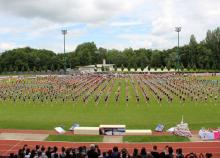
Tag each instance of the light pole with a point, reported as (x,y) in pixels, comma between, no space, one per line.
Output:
(64,32)
(178,29)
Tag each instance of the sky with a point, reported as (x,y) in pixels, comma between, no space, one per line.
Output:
(110,24)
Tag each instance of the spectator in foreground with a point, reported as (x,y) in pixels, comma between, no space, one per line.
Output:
(143,153)
(166,149)
(155,153)
(92,152)
(179,153)
(25,148)
(43,155)
(135,153)
(162,154)
(191,155)
(124,153)
(115,153)
(170,153)
(95,152)
(104,155)
(109,154)
(63,153)
(54,153)
(20,153)
(81,152)
(48,152)
(208,155)
(33,152)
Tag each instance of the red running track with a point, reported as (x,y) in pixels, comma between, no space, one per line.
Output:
(12,146)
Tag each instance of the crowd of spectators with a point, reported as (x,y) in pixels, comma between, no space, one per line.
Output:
(94,152)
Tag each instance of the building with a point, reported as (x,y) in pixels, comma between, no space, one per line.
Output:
(96,68)
(87,69)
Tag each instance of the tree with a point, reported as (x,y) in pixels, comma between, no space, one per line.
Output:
(16,68)
(135,67)
(212,42)
(45,68)
(100,54)
(115,67)
(142,67)
(188,67)
(10,68)
(87,53)
(22,58)
(202,55)
(58,67)
(162,68)
(193,53)
(28,69)
(149,67)
(192,41)
(5,70)
(168,66)
(194,67)
(102,68)
(52,67)
(34,69)
(122,67)
(129,67)
(156,59)
(181,67)
(40,69)
(22,69)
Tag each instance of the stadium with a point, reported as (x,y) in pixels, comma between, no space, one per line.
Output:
(128,97)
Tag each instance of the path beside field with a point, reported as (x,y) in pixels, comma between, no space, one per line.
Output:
(49,132)
(16,134)
(53,132)
(28,137)
(23,136)
(112,139)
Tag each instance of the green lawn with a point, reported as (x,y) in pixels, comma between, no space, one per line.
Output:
(209,77)
(74,138)
(154,139)
(23,115)
(135,115)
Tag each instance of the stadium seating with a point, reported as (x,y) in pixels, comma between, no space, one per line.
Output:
(94,152)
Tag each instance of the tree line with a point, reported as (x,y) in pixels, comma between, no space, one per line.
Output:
(204,55)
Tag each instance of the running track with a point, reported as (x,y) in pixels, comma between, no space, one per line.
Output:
(9,146)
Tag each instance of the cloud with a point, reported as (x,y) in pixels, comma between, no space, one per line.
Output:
(5,30)
(148,41)
(195,17)
(7,46)
(126,23)
(112,23)
(59,11)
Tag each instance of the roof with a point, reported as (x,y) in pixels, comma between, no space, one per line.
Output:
(104,65)
(112,126)
(86,66)
(97,65)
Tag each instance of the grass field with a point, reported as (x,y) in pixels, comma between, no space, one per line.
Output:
(135,115)
(125,138)
(155,139)
(74,138)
